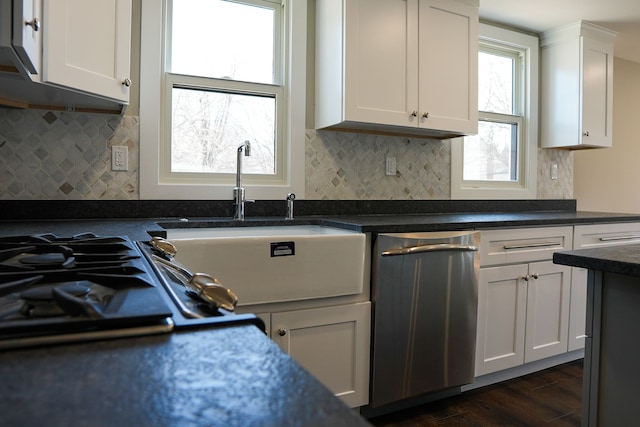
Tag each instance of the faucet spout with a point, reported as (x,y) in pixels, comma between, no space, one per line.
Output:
(238,191)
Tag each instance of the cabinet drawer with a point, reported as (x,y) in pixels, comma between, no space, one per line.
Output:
(587,236)
(509,246)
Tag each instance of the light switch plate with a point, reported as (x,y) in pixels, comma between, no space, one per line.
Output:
(554,171)
(390,166)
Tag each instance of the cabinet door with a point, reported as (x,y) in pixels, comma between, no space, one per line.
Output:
(597,87)
(578,308)
(87,46)
(332,343)
(448,66)
(502,307)
(547,325)
(26,39)
(381,56)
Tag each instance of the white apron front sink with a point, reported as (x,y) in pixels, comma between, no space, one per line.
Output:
(275,263)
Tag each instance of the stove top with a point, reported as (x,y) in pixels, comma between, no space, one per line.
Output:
(59,289)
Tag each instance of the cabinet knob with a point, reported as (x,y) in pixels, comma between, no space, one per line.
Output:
(525,278)
(282,332)
(126,82)
(425,115)
(414,114)
(585,133)
(35,23)
(535,276)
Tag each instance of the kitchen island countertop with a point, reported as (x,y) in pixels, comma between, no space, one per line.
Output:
(623,259)
(612,336)
(230,376)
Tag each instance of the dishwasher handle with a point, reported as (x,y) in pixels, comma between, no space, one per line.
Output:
(438,247)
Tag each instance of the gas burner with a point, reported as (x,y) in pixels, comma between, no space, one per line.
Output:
(44,301)
(51,286)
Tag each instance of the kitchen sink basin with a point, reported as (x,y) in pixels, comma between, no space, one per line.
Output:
(266,264)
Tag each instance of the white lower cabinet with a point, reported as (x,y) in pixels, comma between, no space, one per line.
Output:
(523,298)
(523,314)
(530,309)
(578,308)
(332,343)
(592,236)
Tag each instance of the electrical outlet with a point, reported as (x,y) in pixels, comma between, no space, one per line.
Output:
(554,171)
(390,166)
(120,158)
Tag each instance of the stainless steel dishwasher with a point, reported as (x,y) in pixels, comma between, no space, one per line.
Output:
(425,299)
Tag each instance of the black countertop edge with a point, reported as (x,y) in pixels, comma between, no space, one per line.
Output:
(97,209)
(611,259)
(413,222)
(143,228)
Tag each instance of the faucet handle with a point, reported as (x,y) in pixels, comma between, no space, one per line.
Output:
(290,198)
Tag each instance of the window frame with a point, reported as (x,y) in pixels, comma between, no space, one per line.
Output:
(526,186)
(156,85)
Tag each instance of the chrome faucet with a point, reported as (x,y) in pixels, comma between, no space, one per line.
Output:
(290,198)
(238,191)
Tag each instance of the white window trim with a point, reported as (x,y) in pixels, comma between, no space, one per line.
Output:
(528,187)
(151,90)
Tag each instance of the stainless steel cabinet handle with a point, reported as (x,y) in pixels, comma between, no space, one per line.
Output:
(531,245)
(613,239)
(35,23)
(440,247)
(282,332)
(126,82)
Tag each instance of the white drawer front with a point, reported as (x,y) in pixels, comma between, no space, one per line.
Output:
(587,236)
(508,246)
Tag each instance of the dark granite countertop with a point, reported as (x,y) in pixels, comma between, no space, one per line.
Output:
(232,376)
(141,228)
(613,259)
(226,376)
(461,221)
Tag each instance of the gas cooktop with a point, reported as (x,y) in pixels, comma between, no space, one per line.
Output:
(57,289)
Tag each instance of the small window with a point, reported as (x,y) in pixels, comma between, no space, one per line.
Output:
(224,84)
(500,161)
(226,75)
(494,153)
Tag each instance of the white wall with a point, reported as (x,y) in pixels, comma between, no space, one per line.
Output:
(608,180)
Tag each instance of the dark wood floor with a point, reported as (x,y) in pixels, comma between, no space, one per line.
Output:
(550,397)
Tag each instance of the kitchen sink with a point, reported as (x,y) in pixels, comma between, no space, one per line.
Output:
(264,264)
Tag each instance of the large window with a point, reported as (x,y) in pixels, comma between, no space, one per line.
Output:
(500,161)
(226,72)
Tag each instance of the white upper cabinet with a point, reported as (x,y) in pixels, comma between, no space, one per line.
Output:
(406,67)
(20,44)
(87,46)
(577,87)
(26,37)
(65,54)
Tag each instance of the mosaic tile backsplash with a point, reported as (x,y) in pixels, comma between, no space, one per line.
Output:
(60,155)
(66,155)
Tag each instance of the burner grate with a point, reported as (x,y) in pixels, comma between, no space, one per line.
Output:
(56,286)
